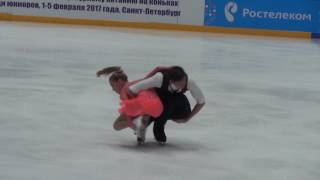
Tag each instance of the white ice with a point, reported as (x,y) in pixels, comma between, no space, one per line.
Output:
(261,120)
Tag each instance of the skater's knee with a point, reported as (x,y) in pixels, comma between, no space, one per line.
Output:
(118,126)
(120,123)
(115,127)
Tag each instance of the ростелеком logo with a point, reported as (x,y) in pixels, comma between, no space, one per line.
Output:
(229,10)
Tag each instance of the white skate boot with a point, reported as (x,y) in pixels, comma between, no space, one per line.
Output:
(141,128)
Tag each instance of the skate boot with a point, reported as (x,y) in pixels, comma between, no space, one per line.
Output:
(140,129)
(141,138)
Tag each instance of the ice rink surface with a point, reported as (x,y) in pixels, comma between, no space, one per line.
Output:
(261,120)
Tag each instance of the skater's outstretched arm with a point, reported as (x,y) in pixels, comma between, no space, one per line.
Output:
(196,109)
(200,99)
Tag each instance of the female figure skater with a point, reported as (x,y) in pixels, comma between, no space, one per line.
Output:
(171,83)
(135,110)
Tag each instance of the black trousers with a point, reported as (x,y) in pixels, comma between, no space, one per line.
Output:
(176,106)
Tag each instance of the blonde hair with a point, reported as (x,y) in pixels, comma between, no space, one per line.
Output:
(115,72)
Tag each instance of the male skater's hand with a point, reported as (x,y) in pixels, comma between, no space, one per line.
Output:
(181,120)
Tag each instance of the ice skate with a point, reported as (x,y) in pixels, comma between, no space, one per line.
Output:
(140,125)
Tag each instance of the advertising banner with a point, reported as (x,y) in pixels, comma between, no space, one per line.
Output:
(287,15)
(160,11)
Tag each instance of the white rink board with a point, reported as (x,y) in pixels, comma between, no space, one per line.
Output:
(188,12)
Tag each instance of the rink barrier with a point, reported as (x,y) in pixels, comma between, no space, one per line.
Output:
(160,26)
